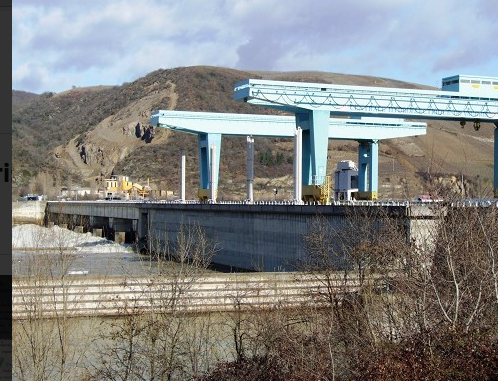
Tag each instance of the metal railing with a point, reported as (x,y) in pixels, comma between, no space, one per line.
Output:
(468,202)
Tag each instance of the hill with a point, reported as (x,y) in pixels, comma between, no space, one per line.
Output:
(78,136)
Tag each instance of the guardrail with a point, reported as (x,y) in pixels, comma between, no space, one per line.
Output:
(81,296)
(469,202)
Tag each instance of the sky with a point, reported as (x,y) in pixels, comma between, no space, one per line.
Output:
(60,44)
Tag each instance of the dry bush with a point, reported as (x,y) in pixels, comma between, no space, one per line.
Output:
(157,338)
(430,299)
(421,309)
(48,343)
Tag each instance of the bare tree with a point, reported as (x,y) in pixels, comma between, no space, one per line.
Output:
(158,339)
(388,307)
(48,342)
(463,271)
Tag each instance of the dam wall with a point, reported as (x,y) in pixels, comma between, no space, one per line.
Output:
(256,237)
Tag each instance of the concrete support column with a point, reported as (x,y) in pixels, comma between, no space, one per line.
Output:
(120,237)
(298,165)
(73,218)
(250,168)
(182,175)
(143,224)
(315,143)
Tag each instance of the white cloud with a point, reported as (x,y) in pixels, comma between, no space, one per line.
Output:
(63,43)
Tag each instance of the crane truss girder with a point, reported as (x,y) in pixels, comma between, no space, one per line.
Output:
(367,101)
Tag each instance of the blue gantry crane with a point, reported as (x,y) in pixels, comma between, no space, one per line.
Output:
(462,98)
(210,127)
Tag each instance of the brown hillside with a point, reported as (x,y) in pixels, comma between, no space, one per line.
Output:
(76,136)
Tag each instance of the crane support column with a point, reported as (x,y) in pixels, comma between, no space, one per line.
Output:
(205,142)
(298,162)
(213,175)
(368,170)
(496,162)
(314,125)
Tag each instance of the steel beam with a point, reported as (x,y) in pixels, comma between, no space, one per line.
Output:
(278,126)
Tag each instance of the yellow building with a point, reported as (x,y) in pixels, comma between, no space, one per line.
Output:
(118,185)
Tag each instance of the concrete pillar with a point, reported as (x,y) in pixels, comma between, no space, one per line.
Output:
(250,168)
(120,237)
(78,229)
(76,220)
(298,165)
(182,176)
(96,232)
(143,224)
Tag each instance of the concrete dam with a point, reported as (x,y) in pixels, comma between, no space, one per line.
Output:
(256,237)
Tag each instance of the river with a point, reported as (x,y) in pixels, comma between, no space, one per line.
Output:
(83,254)
(40,251)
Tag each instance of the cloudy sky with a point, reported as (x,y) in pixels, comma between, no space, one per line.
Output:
(57,44)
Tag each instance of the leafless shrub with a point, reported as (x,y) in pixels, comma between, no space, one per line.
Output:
(48,342)
(158,338)
(390,307)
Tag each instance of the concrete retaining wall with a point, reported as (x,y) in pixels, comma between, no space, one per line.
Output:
(82,296)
